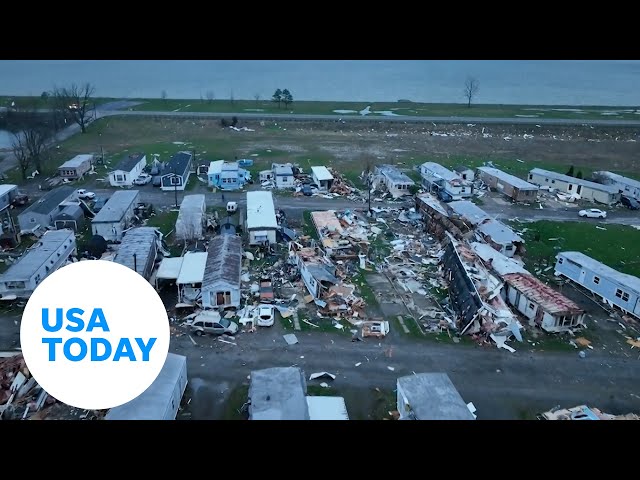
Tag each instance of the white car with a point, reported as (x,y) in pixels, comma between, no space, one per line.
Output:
(265,316)
(143,179)
(84,195)
(592,213)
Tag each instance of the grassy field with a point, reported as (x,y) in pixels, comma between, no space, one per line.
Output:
(617,246)
(345,150)
(266,105)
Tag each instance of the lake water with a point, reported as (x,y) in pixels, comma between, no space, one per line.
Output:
(551,82)
(6,139)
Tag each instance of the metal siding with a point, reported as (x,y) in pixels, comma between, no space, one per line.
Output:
(605,289)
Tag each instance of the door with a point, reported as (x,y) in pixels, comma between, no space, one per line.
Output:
(211,327)
(517,301)
(583,274)
(579,189)
(220,298)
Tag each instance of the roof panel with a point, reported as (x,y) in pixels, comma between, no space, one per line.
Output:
(224,261)
(192,270)
(603,270)
(432,396)
(535,290)
(261,212)
(116,206)
(512,180)
(322,173)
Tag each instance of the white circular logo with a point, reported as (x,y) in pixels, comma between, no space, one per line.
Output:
(95,334)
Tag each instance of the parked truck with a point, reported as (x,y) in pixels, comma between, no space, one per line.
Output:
(266,290)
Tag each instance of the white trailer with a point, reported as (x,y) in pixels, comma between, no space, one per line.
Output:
(161,400)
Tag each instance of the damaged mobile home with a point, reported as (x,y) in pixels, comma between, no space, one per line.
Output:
(139,250)
(317,272)
(476,293)
(540,304)
(447,185)
(394,181)
(221,282)
(191,218)
(261,223)
(191,277)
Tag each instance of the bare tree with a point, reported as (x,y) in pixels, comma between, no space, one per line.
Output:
(21,152)
(471,86)
(210,96)
(369,168)
(35,141)
(257,98)
(75,100)
(163,95)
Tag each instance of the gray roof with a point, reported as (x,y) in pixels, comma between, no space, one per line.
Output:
(434,203)
(499,232)
(155,400)
(139,241)
(116,206)
(433,396)
(224,261)
(50,201)
(441,171)
(178,163)
(71,211)
(321,274)
(631,182)
(394,174)
(129,161)
(603,270)
(512,180)
(278,394)
(469,211)
(280,169)
(576,181)
(37,255)
(76,161)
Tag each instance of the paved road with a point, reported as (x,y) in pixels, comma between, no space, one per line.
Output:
(299,204)
(380,118)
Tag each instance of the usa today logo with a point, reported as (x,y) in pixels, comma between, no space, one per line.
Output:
(95,334)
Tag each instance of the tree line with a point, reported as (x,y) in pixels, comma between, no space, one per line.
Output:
(282,96)
(62,106)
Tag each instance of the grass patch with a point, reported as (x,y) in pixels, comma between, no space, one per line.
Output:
(237,398)
(165,222)
(398,108)
(308,228)
(192,183)
(618,246)
(368,295)
(318,391)
(385,401)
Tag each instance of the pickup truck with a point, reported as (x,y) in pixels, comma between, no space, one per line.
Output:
(266,290)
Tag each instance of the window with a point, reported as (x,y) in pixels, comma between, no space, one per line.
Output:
(553,181)
(119,178)
(508,248)
(596,280)
(619,293)
(209,325)
(198,324)
(531,306)
(32,220)
(530,177)
(561,260)
(625,297)
(125,177)
(546,180)
(570,187)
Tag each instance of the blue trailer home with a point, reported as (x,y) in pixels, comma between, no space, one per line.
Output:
(614,288)
(227,175)
(177,172)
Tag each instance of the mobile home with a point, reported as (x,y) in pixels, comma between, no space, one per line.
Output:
(628,187)
(139,250)
(161,400)
(177,172)
(513,187)
(261,223)
(191,218)
(445,183)
(595,192)
(127,170)
(115,216)
(76,167)
(397,183)
(221,281)
(613,287)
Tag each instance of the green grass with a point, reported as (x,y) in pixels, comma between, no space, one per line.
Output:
(618,246)
(308,228)
(368,295)
(265,105)
(318,391)
(225,105)
(324,325)
(165,222)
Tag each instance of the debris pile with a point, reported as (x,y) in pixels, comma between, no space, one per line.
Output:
(21,398)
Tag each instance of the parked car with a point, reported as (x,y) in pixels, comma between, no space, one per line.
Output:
(85,195)
(593,213)
(212,323)
(143,179)
(20,199)
(266,316)
(99,203)
(232,207)
(157,181)
(307,191)
(630,203)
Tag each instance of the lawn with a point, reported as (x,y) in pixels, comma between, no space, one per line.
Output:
(617,246)
(165,221)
